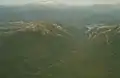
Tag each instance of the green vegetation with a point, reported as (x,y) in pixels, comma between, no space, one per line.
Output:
(33,49)
(30,54)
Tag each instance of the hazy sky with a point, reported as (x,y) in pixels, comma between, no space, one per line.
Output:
(68,2)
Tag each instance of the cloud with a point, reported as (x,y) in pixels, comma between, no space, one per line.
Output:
(68,2)
(80,2)
(90,1)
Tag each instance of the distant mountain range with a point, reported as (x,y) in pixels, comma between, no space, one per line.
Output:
(68,15)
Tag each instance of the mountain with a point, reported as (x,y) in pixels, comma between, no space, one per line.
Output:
(59,47)
(67,15)
(33,48)
(38,49)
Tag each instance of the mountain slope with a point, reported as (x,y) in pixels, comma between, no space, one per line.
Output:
(25,52)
